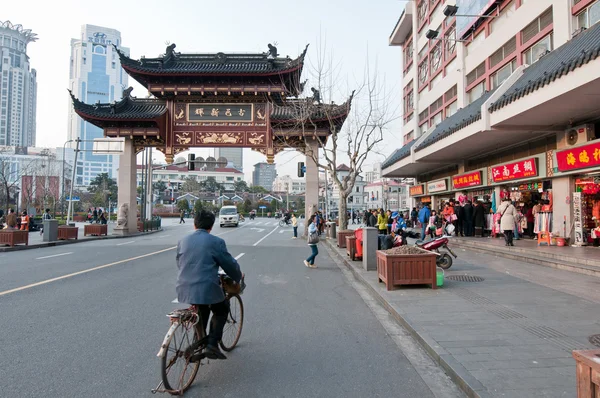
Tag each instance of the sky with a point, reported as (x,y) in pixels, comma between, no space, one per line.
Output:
(354,32)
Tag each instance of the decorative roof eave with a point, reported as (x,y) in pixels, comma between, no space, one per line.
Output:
(329,114)
(577,52)
(137,66)
(398,154)
(128,109)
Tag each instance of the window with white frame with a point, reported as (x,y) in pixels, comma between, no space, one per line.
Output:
(451,109)
(503,73)
(533,53)
(589,16)
(476,91)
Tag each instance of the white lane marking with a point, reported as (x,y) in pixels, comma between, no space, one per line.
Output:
(54,255)
(232,230)
(163,236)
(83,272)
(257,229)
(282,231)
(175,301)
(239,256)
(264,237)
(125,243)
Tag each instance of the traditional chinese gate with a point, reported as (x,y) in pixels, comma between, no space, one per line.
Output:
(212,100)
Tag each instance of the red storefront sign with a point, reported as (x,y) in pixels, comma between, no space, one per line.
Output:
(579,158)
(416,190)
(515,171)
(467,180)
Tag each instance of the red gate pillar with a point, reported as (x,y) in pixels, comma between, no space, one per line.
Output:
(127,183)
(312,180)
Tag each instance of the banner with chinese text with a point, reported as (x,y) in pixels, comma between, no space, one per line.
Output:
(416,190)
(467,180)
(515,171)
(579,158)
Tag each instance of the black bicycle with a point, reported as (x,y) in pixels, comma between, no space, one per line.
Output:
(182,349)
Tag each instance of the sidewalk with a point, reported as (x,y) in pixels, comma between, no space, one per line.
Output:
(510,335)
(36,240)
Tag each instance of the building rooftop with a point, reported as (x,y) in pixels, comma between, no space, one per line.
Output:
(398,154)
(580,50)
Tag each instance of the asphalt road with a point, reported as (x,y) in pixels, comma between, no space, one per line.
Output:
(86,320)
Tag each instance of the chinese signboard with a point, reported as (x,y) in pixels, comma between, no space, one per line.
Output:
(470,7)
(219,112)
(579,158)
(437,186)
(515,171)
(416,190)
(467,180)
(533,186)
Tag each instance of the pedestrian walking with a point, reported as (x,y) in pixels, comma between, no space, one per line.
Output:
(295,225)
(424,215)
(46,216)
(24,221)
(11,219)
(382,222)
(507,220)
(479,218)
(94,216)
(181,215)
(313,239)
(468,218)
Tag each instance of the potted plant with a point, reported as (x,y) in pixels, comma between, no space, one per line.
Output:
(406,265)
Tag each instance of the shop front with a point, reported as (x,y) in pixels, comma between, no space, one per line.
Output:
(418,196)
(440,193)
(582,164)
(471,186)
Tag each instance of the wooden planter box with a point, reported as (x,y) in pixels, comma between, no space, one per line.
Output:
(406,269)
(351,246)
(588,373)
(13,237)
(95,229)
(66,232)
(341,237)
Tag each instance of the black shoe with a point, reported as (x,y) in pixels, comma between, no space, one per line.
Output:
(212,352)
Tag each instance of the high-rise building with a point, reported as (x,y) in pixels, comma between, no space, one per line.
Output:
(235,156)
(263,175)
(95,76)
(18,87)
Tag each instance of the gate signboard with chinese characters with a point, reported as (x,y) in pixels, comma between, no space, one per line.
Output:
(222,124)
(515,171)
(579,158)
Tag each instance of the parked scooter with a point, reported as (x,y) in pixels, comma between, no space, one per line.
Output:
(444,260)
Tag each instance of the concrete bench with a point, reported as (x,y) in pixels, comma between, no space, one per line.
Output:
(13,237)
(95,229)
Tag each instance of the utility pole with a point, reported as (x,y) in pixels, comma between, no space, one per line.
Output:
(70,211)
(287,186)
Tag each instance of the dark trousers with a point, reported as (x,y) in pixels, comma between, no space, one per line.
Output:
(220,312)
(530,229)
(295,232)
(315,252)
(181,220)
(460,227)
(383,232)
(508,237)
(468,227)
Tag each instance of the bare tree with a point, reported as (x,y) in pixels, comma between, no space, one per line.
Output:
(12,169)
(356,127)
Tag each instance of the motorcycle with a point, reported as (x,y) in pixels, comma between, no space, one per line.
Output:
(443,260)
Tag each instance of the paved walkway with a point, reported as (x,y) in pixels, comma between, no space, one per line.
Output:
(511,335)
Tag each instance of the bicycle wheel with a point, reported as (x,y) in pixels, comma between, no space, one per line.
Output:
(281,223)
(177,372)
(235,321)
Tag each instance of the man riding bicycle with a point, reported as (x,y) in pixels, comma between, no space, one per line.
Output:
(199,256)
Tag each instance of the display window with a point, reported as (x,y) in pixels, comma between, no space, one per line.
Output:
(589,187)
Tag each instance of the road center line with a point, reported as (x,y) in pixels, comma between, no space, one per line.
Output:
(54,255)
(125,243)
(239,256)
(83,272)
(264,237)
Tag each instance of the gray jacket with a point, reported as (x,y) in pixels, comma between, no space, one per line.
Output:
(199,256)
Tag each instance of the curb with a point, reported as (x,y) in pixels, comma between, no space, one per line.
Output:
(73,241)
(457,373)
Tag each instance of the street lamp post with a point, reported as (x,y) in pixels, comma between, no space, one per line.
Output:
(70,208)
(62,207)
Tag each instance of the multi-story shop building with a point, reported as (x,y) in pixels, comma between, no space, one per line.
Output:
(18,87)
(174,176)
(263,175)
(502,104)
(374,174)
(290,185)
(95,75)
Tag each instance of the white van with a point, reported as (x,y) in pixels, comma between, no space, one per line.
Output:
(228,216)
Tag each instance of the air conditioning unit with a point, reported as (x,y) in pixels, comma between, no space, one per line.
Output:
(579,135)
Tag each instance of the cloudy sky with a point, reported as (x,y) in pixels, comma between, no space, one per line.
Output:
(351,28)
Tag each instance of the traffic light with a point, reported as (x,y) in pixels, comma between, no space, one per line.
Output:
(301,169)
(191,161)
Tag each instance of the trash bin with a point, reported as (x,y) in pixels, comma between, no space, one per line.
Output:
(50,230)
(332,230)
